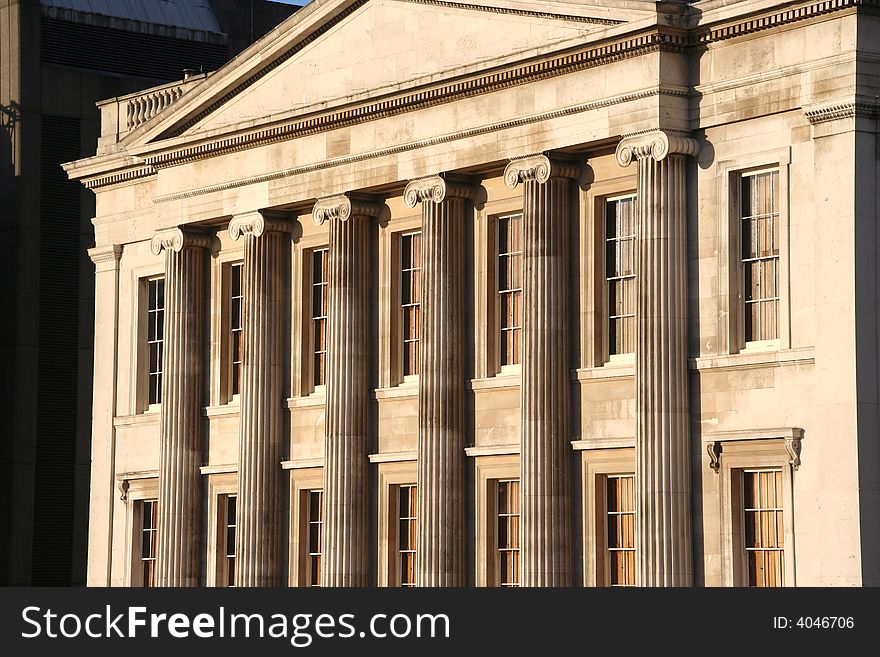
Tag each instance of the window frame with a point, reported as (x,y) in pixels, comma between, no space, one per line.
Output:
(302,482)
(231,393)
(597,464)
(392,475)
(489,471)
(607,513)
(496,515)
(306,352)
(506,368)
(625,357)
(487,347)
(399,517)
(220,485)
(138,488)
(593,336)
(759,449)
(400,335)
(141,351)
(731,297)
(741,475)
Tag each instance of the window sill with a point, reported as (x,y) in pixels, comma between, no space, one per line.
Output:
(147,417)
(611,370)
(403,391)
(314,399)
(224,410)
(749,358)
(502,380)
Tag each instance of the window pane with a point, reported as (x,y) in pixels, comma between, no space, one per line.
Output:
(509,280)
(763,528)
(760,254)
(620,273)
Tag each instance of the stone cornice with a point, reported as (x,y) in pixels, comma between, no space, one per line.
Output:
(117,177)
(656,144)
(742,25)
(177,239)
(343,207)
(518,12)
(540,168)
(259,222)
(844,110)
(597,54)
(101,254)
(443,139)
(436,189)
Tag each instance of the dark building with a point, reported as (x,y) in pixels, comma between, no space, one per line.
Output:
(57,59)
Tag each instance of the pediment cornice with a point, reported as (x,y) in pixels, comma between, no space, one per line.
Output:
(164,141)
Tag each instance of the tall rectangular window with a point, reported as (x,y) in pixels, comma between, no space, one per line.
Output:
(227,529)
(155,337)
(763,527)
(410,299)
(510,287)
(315,536)
(620,530)
(320,287)
(406,534)
(236,334)
(149,538)
(620,273)
(507,534)
(759,209)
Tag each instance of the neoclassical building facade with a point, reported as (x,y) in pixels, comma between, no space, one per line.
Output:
(504,293)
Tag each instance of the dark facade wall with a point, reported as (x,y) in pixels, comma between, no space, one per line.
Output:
(51,75)
(245,21)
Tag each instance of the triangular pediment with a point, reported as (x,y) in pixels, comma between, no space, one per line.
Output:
(335,51)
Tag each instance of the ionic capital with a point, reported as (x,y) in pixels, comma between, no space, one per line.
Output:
(436,189)
(343,207)
(177,239)
(539,168)
(259,222)
(656,144)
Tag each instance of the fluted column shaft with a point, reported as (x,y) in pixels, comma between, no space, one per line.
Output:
(180,416)
(440,529)
(545,449)
(346,529)
(663,491)
(265,286)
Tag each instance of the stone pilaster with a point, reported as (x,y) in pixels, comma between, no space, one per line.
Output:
(265,287)
(545,450)
(346,548)
(102,479)
(440,551)
(663,491)
(180,415)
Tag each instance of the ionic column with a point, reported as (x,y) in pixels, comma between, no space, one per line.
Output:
(346,545)
(663,491)
(545,449)
(265,287)
(180,415)
(440,551)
